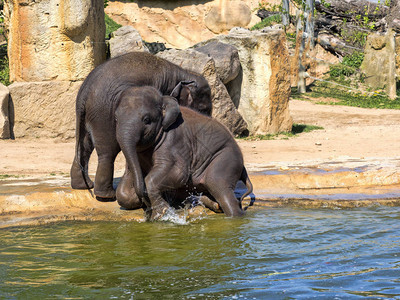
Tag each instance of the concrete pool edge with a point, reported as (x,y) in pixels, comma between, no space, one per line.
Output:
(35,201)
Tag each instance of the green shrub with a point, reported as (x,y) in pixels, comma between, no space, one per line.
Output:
(111,25)
(267,22)
(4,66)
(340,70)
(353,60)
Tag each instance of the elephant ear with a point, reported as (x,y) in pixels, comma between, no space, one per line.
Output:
(183,93)
(171,111)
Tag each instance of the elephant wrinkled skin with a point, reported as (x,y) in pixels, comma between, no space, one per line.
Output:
(99,98)
(196,154)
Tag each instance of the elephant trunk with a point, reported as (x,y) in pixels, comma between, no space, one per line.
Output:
(128,147)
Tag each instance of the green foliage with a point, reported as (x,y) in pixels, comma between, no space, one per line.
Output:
(267,22)
(296,129)
(341,96)
(105,3)
(111,25)
(299,128)
(353,60)
(7,176)
(340,71)
(349,67)
(4,66)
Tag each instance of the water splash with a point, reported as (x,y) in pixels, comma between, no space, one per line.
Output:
(172,216)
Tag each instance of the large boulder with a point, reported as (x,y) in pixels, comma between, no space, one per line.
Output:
(223,107)
(263,96)
(227,14)
(44,109)
(5,126)
(183,23)
(226,59)
(54,39)
(228,67)
(126,39)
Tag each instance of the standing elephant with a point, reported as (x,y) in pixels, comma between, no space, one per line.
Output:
(99,97)
(194,154)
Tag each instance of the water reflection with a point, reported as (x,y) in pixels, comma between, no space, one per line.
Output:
(276,253)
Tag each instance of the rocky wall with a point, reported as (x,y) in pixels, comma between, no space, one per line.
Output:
(44,109)
(263,95)
(54,39)
(183,23)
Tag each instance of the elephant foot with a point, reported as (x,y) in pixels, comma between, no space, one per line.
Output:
(102,199)
(80,181)
(105,196)
(130,204)
(159,211)
(210,204)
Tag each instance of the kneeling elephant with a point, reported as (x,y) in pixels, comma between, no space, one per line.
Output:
(192,154)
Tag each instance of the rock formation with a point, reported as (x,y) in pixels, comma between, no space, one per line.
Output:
(54,39)
(183,23)
(263,99)
(52,47)
(126,39)
(44,109)
(5,124)
(377,58)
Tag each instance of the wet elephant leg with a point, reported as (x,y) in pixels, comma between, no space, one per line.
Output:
(126,194)
(220,180)
(161,179)
(79,170)
(227,201)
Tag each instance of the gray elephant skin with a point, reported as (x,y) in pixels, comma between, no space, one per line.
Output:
(99,98)
(194,154)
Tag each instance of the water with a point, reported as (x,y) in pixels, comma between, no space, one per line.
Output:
(269,254)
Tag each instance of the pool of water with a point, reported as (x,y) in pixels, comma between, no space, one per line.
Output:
(269,254)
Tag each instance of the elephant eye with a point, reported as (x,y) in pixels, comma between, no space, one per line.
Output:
(146,120)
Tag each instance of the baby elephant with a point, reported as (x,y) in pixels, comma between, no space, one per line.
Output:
(194,155)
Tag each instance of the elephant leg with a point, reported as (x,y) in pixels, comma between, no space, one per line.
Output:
(220,180)
(79,170)
(159,180)
(227,201)
(103,184)
(126,194)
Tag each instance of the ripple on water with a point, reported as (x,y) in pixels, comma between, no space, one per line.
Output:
(271,253)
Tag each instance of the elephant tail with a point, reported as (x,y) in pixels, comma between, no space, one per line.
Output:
(81,132)
(246,180)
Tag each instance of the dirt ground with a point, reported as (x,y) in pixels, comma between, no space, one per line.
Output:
(349,133)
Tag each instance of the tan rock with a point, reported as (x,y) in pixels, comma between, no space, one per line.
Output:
(44,109)
(226,14)
(376,59)
(182,23)
(265,89)
(126,39)
(54,39)
(5,130)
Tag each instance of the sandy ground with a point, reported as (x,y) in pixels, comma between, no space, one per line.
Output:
(349,134)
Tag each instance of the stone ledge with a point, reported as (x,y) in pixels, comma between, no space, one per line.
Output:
(34,201)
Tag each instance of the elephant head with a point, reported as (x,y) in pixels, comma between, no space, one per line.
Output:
(195,94)
(142,114)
